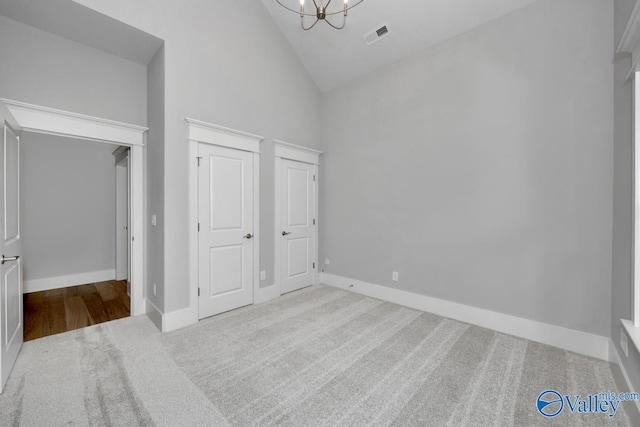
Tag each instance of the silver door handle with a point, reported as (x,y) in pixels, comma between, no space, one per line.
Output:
(9,258)
(285,233)
(248,236)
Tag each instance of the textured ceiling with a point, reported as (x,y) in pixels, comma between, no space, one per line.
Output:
(335,57)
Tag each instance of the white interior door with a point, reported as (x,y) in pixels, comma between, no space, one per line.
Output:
(122,219)
(11,317)
(225,238)
(297,211)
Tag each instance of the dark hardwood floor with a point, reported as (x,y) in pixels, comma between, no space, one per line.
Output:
(60,310)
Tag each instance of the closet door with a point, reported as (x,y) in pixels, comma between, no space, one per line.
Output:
(297,223)
(226,235)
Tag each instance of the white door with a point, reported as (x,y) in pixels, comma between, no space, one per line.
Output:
(297,223)
(11,323)
(122,219)
(225,238)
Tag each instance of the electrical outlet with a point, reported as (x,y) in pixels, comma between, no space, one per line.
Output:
(327,261)
(624,344)
(394,276)
(154,290)
(154,220)
(263,275)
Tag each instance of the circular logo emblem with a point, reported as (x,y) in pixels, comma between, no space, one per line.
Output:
(550,403)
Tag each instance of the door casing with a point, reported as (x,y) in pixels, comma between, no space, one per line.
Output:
(39,119)
(200,132)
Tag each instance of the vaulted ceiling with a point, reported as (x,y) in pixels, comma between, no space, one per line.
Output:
(334,57)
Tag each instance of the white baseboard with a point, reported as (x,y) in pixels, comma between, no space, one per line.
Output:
(173,320)
(266,294)
(568,339)
(154,313)
(179,319)
(37,285)
(614,357)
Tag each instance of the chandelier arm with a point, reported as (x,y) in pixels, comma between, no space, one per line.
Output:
(321,12)
(308,28)
(297,12)
(344,21)
(342,10)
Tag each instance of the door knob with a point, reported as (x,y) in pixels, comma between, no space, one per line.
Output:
(9,258)
(284,233)
(248,236)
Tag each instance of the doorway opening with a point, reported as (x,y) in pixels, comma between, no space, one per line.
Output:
(74,198)
(37,120)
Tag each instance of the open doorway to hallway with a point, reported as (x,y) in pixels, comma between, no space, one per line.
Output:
(65,309)
(75,217)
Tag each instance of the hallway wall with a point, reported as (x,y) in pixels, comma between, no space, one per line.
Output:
(67,210)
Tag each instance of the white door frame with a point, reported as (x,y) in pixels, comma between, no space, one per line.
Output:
(205,133)
(50,121)
(286,150)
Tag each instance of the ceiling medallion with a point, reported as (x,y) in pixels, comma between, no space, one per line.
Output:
(323,12)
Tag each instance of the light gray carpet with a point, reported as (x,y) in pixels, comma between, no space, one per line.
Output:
(319,356)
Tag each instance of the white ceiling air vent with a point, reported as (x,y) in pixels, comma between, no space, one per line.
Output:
(376,35)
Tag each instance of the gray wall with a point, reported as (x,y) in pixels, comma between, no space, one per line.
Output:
(67,206)
(240,73)
(40,68)
(621,295)
(154,179)
(481,169)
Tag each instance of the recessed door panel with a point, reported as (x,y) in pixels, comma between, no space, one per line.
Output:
(11,188)
(226,201)
(226,269)
(12,303)
(298,257)
(298,197)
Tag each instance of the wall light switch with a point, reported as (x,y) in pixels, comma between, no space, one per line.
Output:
(327,261)
(263,275)
(153,220)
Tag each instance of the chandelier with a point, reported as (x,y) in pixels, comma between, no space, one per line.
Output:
(323,12)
